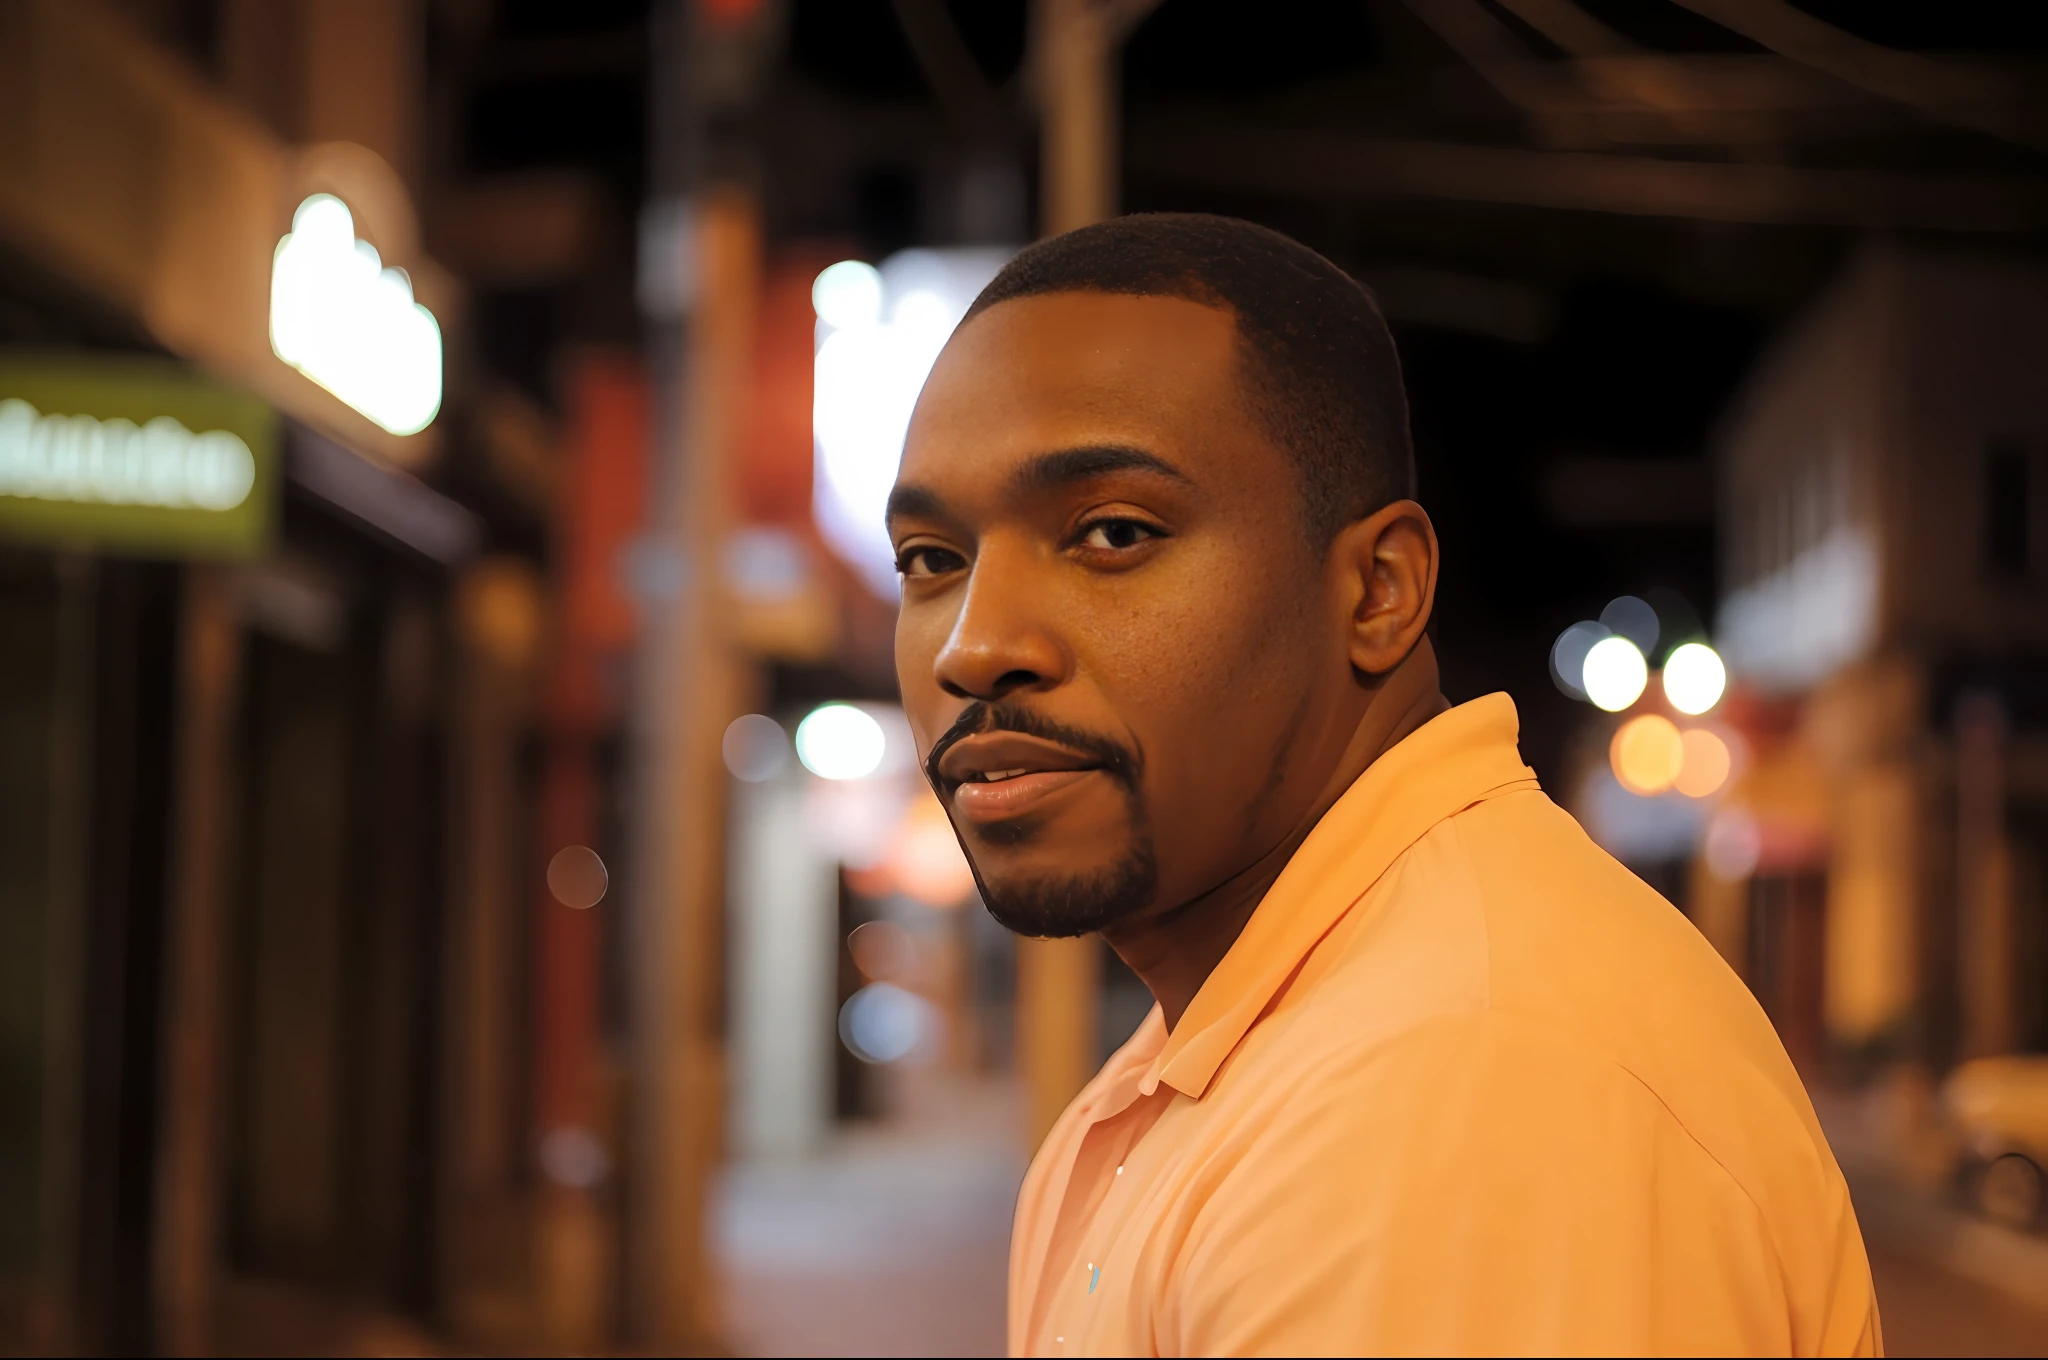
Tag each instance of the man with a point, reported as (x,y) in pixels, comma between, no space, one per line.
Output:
(1429,1071)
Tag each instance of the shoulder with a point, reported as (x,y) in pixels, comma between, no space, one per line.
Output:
(1581,948)
(1483,1182)
(1583,952)
(1462,1082)
(1506,962)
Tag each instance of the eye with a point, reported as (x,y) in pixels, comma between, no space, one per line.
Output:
(1116,535)
(927,560)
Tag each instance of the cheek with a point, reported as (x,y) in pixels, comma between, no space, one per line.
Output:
(920,633)
(1207,663)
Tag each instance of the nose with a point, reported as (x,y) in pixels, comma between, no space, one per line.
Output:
(1001,642)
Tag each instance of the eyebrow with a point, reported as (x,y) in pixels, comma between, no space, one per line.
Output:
(1044,472)
(919,501)
(1063,467)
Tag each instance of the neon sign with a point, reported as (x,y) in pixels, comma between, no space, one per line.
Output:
(349,323)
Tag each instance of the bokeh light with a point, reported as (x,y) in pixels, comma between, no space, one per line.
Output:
(1694,678)
(1626,616)
(839,741)
(1568,655)
(755,747)
(1647,754)
(1614,674)
(882,950)
(1734,844)
(882,1023)
(1706,765)
(848,294)
(577,877)
(573,1157)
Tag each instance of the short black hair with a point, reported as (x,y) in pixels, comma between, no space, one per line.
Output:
(1320,367)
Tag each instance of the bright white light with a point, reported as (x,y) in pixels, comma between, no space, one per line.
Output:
(351,325)
(839,741)
(924,312)
(117,462)
(1694,678)
(848,294)
(1614,674)
(869,372)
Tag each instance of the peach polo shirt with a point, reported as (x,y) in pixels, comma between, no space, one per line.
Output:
(1464,1084)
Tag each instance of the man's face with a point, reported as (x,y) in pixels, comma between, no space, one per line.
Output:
(1113,625)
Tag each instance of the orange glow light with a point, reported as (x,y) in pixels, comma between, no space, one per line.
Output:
(926,860)
(1647,754)
(1706,763)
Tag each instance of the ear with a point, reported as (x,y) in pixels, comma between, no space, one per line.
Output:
(1387,566)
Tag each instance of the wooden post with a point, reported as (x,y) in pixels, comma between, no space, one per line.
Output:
(603,490)
(186,1246)
(54,1325)
(687,692)
(570,1242)
(1078,161)
(1058,981)
(484,1275)
(1984,879)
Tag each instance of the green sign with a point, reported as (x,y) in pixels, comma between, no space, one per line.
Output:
(134,455)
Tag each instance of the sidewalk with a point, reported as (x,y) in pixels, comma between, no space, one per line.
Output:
(1948,1282)
(893,1243)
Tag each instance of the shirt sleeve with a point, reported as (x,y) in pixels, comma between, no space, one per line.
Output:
(1501,1192)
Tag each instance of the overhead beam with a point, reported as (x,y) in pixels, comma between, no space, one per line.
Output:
(1337,165)
(1970,96)
(1502,61)
(1570,27)
(1120,18)
(1820,82)
(949,67)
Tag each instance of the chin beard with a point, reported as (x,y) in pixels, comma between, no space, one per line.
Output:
(1079,904)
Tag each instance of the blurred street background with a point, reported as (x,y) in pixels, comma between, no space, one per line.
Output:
(464,882)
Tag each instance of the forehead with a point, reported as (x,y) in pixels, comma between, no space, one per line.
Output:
(1066,369)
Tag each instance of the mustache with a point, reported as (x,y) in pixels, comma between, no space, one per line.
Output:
(1123,763)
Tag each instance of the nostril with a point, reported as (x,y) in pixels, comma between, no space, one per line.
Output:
(1007,683)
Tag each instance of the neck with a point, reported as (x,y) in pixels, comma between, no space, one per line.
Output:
(1174,953)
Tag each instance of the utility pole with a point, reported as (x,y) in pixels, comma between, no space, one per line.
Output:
(700,273)
(1079,41)
(1059,981)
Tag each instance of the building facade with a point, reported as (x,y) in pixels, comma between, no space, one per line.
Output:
(1883,885)
(266,780)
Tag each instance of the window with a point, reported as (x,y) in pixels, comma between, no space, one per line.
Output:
(2007,507)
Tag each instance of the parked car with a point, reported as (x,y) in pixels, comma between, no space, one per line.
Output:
(1999,1108)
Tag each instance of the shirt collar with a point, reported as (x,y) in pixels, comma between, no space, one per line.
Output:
(1458,758)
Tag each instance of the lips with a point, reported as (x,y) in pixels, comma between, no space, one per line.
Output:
(996,775)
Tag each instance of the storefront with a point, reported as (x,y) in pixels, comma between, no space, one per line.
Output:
(251,801)
(228,657)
